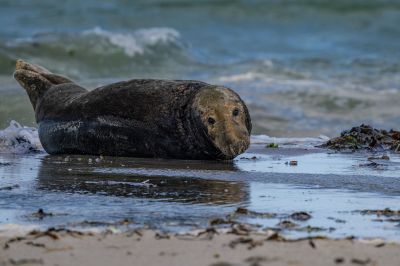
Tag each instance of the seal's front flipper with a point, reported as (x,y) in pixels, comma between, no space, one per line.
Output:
(34,84)
(55,79)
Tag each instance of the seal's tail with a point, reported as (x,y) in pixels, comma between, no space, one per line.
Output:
(36,80)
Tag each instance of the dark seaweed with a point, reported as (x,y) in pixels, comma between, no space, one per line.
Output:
(365,137)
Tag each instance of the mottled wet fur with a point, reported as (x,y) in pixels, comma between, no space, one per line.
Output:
(140,117)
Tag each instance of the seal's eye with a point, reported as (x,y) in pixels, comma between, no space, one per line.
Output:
(211,121)
(235,112)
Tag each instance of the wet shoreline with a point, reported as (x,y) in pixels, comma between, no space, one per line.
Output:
(81,192)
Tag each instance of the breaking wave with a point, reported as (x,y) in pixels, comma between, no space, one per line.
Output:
(90,53)
(139,41)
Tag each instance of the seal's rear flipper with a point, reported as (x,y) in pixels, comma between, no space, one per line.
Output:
(21,64)
(34,84)
(55,79)
(36,80)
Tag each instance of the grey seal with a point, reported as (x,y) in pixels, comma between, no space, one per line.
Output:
(182,119)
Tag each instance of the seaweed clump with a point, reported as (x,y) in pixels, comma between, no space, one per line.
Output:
(365,137)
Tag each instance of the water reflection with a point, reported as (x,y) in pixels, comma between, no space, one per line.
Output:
(182,195)
(115,177)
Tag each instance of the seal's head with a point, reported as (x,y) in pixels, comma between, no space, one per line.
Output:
(225,120)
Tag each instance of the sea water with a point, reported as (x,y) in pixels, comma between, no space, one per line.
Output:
(304,67)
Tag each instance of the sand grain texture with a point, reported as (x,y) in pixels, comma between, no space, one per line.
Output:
(148,248)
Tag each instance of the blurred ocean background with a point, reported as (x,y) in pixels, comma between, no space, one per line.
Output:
(304,67)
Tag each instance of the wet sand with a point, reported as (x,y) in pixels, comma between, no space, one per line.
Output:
(81,192)
(146,247)
(267,210)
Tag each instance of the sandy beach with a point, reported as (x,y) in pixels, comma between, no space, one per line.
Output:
(147,247)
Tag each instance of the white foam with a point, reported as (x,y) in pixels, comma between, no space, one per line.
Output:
(267,80)
(12,230)
(243,77)
(19,139)
(138,41)
(306,142)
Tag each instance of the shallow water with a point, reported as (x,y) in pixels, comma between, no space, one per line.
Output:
(174,195)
